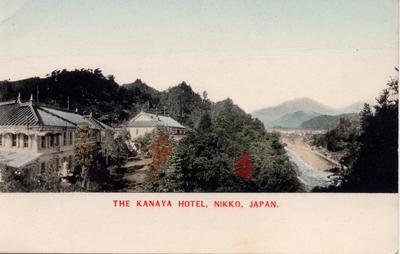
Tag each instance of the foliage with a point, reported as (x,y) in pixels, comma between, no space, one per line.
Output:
(183,104)
(160,150)
(90,170)
(146,140)
(204,161)
(274,171)
(86,90)
(89,91)
(374,166)
(244,168)
(29,179)
(340,137)
(15,180)
(371,162)
(115,148)
(194,166)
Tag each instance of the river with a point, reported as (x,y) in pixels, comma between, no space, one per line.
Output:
(309,176)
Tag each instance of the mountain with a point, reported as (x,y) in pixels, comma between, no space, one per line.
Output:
(306,105)
(293,120)
(328,122)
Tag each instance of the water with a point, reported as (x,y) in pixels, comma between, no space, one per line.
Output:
(309,176)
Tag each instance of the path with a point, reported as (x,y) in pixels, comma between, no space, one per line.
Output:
(135,175)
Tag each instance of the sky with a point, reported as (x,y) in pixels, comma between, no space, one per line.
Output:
(259,53)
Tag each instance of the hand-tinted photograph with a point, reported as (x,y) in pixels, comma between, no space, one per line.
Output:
(199,96)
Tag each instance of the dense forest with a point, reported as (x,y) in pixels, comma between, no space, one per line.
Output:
(231,153)
(370,163)
(340,138)
(88,90)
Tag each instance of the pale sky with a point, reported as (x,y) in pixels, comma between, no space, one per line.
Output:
(259,53)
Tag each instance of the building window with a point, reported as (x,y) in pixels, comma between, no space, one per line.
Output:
(51,140)
(1,140)
(137,131)
(26,141)
(56,140)
(70,138)
(43,141)
(65,138)
(14,140)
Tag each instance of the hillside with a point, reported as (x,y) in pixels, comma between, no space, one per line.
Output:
(89,91)
(220,106)
(139,87)
(328,122)
(293,120)
(85,90)
(307,105)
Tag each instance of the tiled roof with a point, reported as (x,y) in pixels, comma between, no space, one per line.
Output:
(156,121)
(28,114)
(10,114)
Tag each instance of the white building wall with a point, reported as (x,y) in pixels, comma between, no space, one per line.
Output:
(49,155)
(136,132)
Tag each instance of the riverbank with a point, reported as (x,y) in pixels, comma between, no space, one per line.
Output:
(313,158)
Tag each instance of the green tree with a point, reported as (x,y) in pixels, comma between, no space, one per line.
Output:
(204,160)
(116,148)
(371,162)
(90,169)
(29,179)
(375,168)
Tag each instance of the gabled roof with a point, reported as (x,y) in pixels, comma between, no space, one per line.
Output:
(17,114)
(153,120)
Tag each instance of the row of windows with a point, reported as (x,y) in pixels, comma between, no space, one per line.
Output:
(54,140)
(14,140)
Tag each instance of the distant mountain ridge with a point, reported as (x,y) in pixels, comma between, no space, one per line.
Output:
(292,113)
(327,122)
(293,120)
(271,115)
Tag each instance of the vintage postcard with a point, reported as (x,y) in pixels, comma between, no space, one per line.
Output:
(171,126)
